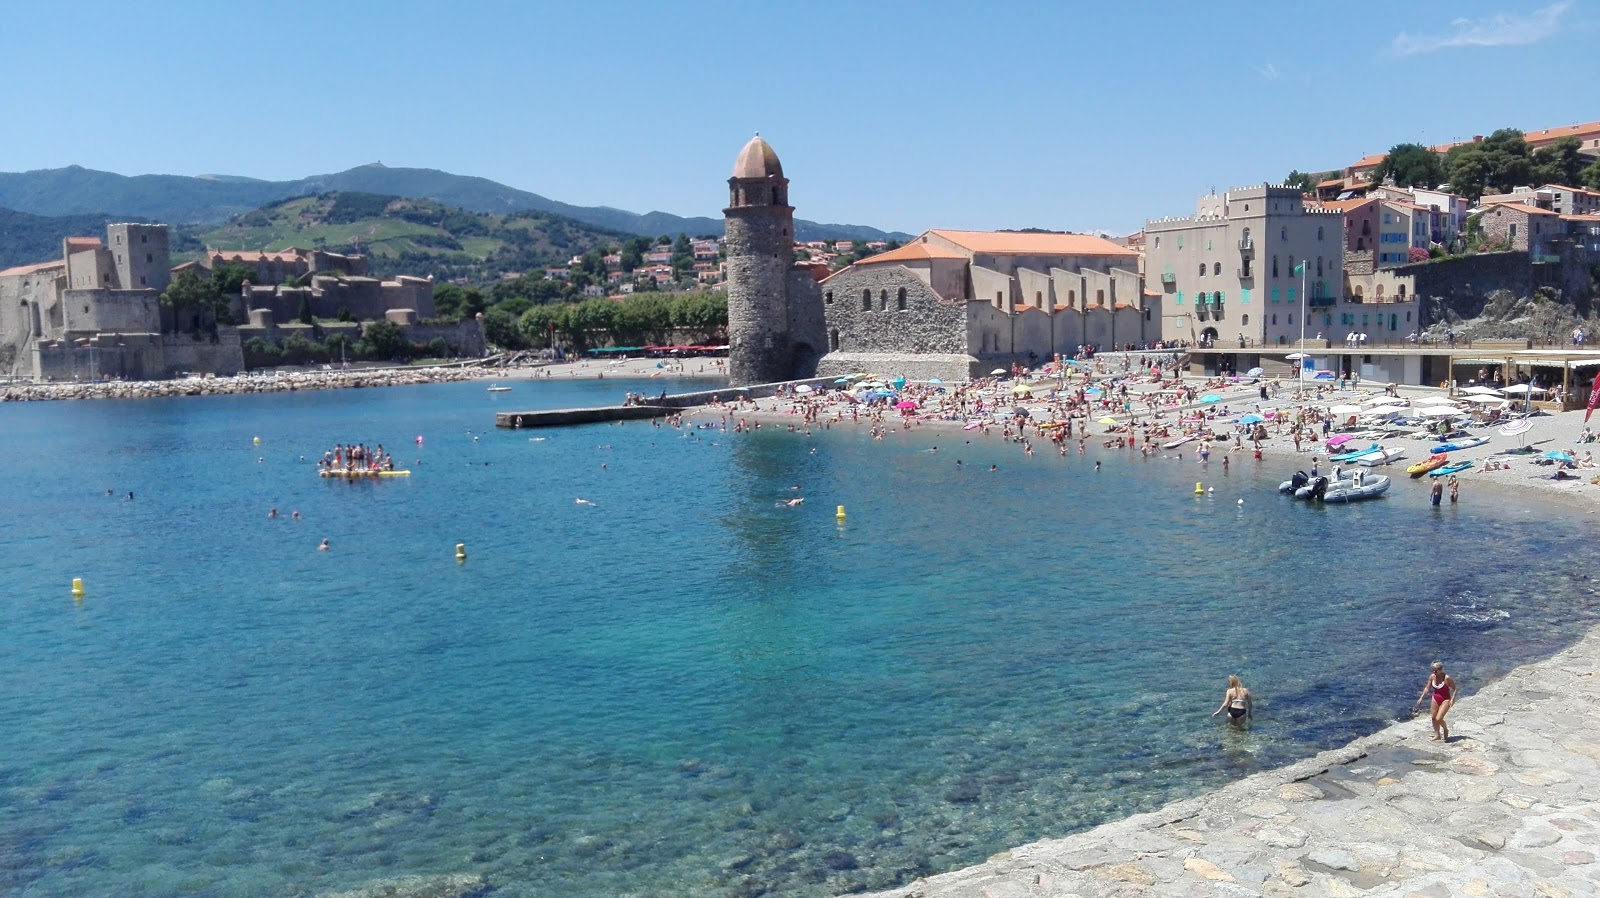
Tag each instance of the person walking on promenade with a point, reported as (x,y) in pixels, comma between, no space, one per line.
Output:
(1443,687)
(1236,701)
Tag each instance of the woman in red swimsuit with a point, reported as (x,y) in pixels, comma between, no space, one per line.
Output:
(1443,688)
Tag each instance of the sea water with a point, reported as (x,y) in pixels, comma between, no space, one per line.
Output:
(687,687)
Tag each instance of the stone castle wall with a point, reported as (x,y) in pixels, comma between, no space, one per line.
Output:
(138,357)
(926,323)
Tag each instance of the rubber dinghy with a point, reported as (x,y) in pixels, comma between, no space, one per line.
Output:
(1357,490)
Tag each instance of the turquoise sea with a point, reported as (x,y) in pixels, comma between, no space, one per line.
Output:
(685,689)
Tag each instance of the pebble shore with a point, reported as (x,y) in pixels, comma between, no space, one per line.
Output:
(227,386)
(1508,807)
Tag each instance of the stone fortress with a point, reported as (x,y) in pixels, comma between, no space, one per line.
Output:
(96,313)
(949,304)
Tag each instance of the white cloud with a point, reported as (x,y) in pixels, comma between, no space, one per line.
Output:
(1501,30)
(1268,72)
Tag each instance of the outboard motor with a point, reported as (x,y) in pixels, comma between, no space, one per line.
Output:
(1299,479)
(1319,488)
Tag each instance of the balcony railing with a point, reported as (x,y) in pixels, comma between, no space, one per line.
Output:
(1247,245)
(1245,273)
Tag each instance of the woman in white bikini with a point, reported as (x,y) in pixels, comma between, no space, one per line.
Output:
(1443,687)
(1236,701)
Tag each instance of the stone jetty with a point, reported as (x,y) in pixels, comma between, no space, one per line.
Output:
(1510,806)
(227,386)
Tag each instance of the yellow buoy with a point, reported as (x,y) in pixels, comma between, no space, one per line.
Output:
(1199,490)
(77,586)
(840,513)
(461,551)
(257,441)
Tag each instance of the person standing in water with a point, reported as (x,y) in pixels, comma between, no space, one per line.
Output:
(1236,701)
(1443,687)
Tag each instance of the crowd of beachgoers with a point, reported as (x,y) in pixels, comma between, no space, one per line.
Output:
(1135,403)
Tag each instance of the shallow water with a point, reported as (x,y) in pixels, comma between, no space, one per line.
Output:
(687,688)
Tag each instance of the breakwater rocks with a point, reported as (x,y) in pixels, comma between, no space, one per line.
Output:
(1510,805)
(228,386)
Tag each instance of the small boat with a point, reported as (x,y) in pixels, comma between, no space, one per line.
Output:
(1317,485)
(498,389)
(1177,442)
(1431,463)
(1357,489)
(1451,468)
(1458,445)
(353,475)
(1354,454)
(1381,457)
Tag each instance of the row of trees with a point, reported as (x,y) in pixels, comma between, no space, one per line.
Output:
(1496,164)
(642,318)
(380,341)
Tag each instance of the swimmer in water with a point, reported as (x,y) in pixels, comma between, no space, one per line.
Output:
(794,502)
(272,513)
(582,502)
(294,515)
(323,547)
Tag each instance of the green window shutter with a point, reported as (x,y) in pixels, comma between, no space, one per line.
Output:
(1245,298)
(1180,297)
(1291,294)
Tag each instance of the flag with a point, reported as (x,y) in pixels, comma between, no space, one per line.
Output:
(1300,269)
(1594,398)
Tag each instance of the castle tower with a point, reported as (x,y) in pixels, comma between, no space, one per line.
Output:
(760,248)
(140,256)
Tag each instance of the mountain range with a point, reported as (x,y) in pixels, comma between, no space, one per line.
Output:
(212,199)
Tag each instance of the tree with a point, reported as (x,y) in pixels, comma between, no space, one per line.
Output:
(1410,165)
(1299,180)
(1559,163)
(1500,162)
(305,310)
(1591,176)
(500,329)
(384,339)
(633,252)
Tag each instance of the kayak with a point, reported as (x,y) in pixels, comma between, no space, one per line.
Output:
(352,475)
(1177,442)
(1423,467)
(1458,445)
(1452,468)
(1353,455)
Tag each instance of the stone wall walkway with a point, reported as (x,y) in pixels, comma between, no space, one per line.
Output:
(1507,808)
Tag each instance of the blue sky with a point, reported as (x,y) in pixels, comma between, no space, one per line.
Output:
(906,116)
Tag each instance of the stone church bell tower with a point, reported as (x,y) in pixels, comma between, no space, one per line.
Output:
(759,244)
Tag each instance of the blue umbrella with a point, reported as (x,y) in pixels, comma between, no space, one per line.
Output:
(1211,397)
(935,380)
(842,380)
(1559,455)
(1251,419)
(900,382)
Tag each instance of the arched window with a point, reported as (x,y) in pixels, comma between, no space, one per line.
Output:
(1319,266)
(833,340)
(1202,269)
(883,300)
(1319,232)
(866,300)
(1200,299)
(1274,265)
(1283,234)
(1244,319)
(1366,227)
(1380,291)
(1216,267)
(1359,296)
(900,301)
(1401,291)
(1274,319)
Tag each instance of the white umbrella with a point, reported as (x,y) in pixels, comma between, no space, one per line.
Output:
(1381,400)
(1486,399)
(998,371)
(803,388)
(1295,356)
(1435,411)
(1482,391)
(1345,410)
(1434,400)
(1521,389)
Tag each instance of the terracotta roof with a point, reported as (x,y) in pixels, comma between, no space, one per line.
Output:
(1522,207)
(21,270)
(1592,216)
(757,160)
(1405,205)
(1347,205)
(1331,182)
(1369,161)
(916,251)
(1009,243)
(1570,189)
(186,266)
(1549,135)
(78,244)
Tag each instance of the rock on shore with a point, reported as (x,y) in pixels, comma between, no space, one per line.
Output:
(1509,806)
(227,386)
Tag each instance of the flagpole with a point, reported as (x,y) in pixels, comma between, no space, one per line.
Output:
(1303,264)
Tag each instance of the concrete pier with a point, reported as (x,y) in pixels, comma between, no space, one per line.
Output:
(562,417)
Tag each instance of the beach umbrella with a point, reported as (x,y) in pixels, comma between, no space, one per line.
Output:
(1021,412)
(1518,429)
(842,380)
(1523,389)
(998,371)
(1255,372)
(1433,400)
(1345,410)
(900,382)
(1210,397)
(1485,398)
(905,404)
(1295,356)
(1251,419)
(1107,420)
(1435,411)
(1482,391)
(1340,440)
(1022,390)
(1559,455)
(803,388)
(935,380)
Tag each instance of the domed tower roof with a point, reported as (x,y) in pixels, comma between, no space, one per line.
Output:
(757,160)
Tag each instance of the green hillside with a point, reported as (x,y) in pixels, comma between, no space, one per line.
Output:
(416,237)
